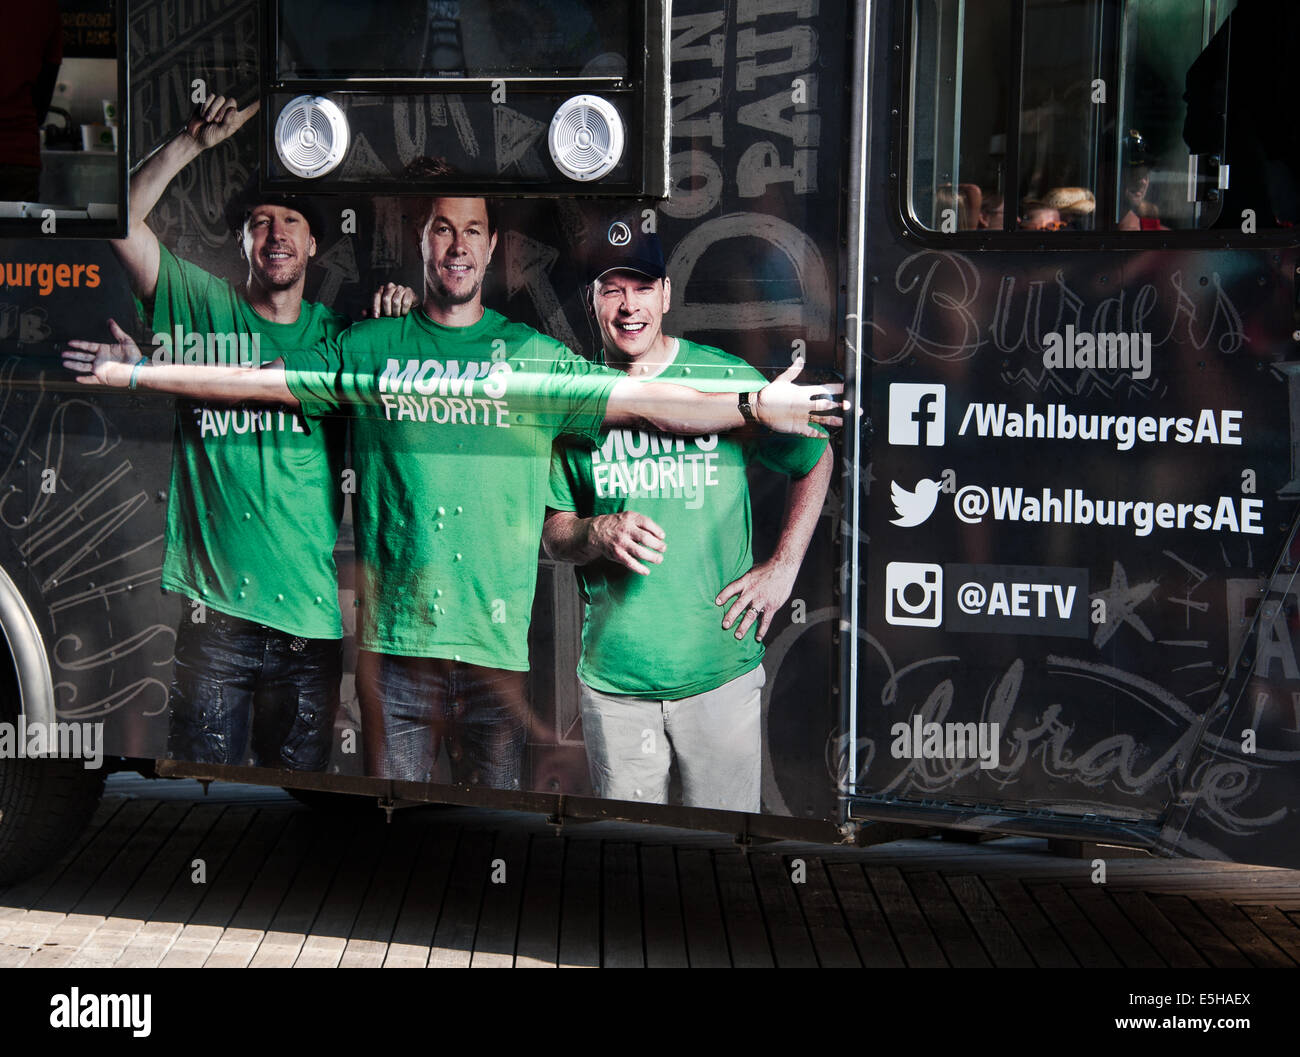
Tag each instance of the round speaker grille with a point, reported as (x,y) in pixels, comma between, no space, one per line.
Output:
(311,136)
(586,137)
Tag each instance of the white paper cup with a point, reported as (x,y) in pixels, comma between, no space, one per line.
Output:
(96,137)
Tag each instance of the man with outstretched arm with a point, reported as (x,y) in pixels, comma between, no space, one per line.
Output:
(454,412)
(659,528)
(255,499)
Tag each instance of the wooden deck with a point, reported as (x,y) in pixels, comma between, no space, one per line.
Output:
(286,886)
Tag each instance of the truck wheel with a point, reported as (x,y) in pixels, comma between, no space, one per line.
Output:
(44,806)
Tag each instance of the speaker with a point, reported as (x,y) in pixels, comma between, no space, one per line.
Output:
(586,137)
(311,136)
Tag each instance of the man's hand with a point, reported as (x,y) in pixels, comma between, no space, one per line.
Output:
(392,299)
(624,538)
(217,120)
(97,363)
(785,407)
(759,594)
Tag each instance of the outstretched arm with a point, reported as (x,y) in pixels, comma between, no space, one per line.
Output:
(119,366)
(780,405)
(627,538)
(216,121)
(764,589)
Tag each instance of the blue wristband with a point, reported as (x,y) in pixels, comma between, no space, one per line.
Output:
(135,371)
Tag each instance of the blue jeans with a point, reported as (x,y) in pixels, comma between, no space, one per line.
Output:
(412,706)
(237,684)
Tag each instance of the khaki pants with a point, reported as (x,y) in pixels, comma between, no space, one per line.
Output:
(715,738)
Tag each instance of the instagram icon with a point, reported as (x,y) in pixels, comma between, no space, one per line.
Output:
(914,594)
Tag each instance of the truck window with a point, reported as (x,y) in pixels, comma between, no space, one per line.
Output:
(1147,116)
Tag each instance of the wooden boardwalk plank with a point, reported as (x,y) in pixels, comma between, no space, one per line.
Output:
(367,943)
(1122,938)
(742,913)
(622,939)
(1244,934)
(266,890)
(1084,941)
(303,901)
(23,941)
(1042,941)
(1276,926)
(1004,947)
(284,885)
(155,937)
(956,937)
(826,925)
(580,917)
(706,937)
(1167,940)
(418,919)
(323,946)
(665,931)
(225,890)
(171,861)
(866,921)
(20,903)
(453,940)
(498,927)
(911,932)
(792,947)
(1213,946)
(538,944)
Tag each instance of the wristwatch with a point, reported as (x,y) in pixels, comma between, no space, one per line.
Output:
(746,408)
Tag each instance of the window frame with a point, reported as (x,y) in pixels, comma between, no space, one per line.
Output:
(901,173)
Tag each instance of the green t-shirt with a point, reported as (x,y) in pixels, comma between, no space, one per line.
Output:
(661,635)
(451,440)
(255,502)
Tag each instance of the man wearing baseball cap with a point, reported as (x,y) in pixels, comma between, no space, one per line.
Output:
(659,527)
(255,499)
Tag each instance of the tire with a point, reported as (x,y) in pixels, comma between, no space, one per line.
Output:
(44,806)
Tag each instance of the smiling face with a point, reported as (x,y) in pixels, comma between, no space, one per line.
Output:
(629,309)
(277,244)
(457,245)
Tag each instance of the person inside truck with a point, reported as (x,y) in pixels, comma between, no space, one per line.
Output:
(659,528)
(255,500)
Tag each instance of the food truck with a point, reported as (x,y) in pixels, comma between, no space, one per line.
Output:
(1047,586)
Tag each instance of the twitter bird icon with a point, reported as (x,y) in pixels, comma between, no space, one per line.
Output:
(915,506)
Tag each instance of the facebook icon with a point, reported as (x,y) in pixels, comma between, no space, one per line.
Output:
(916,414)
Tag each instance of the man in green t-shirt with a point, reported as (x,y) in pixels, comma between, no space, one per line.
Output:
(255,499)
(659,527)
(454,409)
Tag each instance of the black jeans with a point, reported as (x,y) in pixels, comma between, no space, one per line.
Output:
(234,678)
